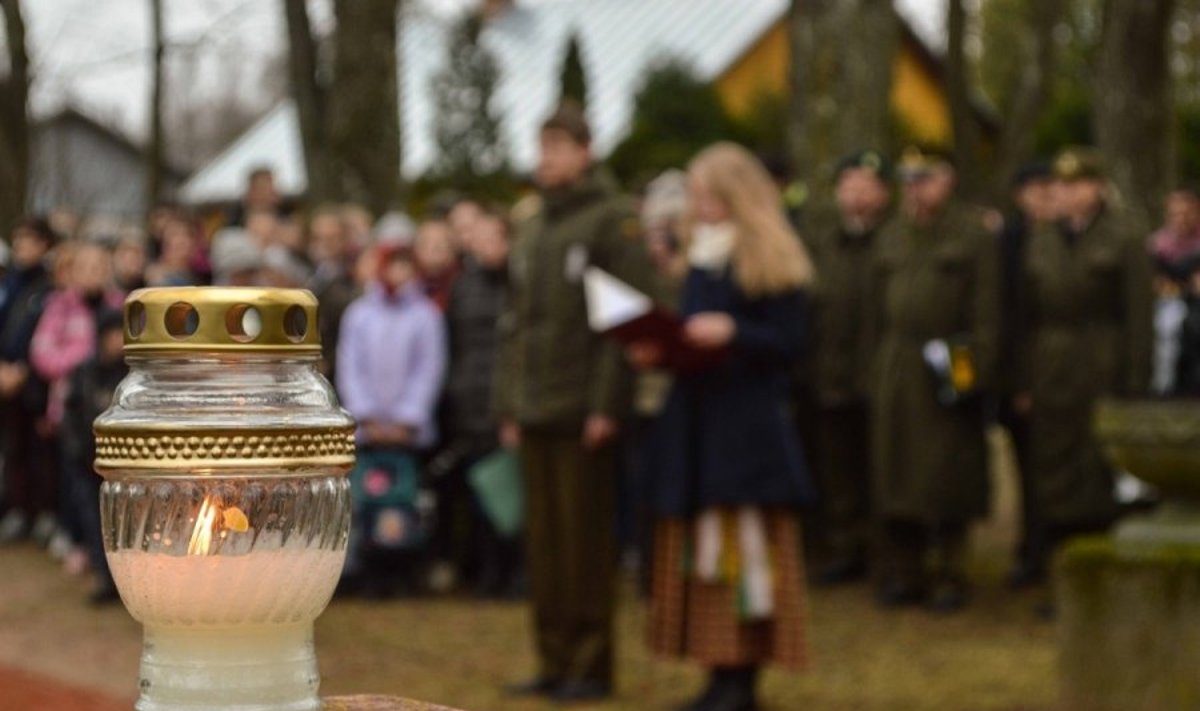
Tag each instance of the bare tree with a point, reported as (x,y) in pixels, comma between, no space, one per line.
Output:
(155,147)
(308,92)
(200,124)
(1031,89)
(868,42)
(349,117)
(958,94)
(840,80)
(364,124)
(804,19)
(14,118)
(1132,104)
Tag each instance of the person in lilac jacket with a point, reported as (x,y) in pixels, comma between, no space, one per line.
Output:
(392,357)
(391,363)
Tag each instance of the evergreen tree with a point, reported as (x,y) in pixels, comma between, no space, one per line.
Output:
(675,114)
(471,150)
(574,77)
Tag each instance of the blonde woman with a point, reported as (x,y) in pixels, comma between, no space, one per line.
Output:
(728,583)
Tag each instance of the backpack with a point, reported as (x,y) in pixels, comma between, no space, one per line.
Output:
(385,486)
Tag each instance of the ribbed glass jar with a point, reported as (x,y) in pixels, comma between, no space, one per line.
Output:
(226,508)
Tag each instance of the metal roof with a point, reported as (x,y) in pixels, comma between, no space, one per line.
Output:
(619,39)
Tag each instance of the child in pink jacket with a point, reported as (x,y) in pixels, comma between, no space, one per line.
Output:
(66,334)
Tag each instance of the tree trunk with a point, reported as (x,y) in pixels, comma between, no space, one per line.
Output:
(840,81)
(1032,91)
(14,119)
(364,128)
(804,18)
(155,148)
(1132,103)
(867,37)
(958,95)
(309,98)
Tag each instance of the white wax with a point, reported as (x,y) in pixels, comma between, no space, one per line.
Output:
(228,632)
(261,587)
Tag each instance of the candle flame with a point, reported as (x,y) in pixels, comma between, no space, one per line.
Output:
(202,534)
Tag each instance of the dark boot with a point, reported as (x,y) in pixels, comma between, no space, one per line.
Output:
(840,571)
(901,566)
(735,690)
(542,685)
(948,593)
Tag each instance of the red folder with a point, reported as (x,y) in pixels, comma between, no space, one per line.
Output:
(624,314)
(665,330)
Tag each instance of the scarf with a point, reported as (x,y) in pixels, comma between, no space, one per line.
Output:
(712,245)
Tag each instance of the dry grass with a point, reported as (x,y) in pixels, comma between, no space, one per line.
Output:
(995,656)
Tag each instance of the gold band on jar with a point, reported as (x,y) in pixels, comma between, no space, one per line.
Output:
(122,450)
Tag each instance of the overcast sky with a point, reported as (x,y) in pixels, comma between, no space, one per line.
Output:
(95,54)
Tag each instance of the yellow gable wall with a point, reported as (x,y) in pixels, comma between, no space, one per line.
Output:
(919,100)
(761,70)
(917,97)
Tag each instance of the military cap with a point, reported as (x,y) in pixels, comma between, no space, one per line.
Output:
(571,119)
(1077,163)
(870,160)
(1031,171)
(920,162)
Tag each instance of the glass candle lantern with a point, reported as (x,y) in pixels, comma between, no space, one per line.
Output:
(225,506)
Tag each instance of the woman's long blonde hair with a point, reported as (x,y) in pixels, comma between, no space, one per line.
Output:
(768,257)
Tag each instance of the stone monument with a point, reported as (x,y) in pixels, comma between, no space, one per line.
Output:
(1129,603)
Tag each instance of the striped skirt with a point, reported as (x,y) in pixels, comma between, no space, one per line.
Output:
(705,619)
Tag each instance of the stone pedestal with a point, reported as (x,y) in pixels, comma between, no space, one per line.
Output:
(1129,626)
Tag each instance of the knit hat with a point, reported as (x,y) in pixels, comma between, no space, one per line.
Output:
(394,228)
(233,251)
(666,197)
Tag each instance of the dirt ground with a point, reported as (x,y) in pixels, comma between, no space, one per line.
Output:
(56,653)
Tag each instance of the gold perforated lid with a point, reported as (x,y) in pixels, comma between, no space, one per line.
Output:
(218,318)
(193,406)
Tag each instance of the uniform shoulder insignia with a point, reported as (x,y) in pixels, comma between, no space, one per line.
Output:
(630,228)
(526,208)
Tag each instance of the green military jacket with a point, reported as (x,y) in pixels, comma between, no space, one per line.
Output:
(553,370)
(1088,334)
(840,299)
(934,281)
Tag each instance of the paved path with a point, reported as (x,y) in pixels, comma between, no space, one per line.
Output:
(25,691)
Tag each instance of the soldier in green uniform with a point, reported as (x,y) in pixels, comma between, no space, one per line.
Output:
(935,313)
(1088,315)
(842,242)
(560,395)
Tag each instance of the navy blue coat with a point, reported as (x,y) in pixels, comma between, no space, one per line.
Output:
(726,436)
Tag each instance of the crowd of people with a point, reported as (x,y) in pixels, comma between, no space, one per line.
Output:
(838,364)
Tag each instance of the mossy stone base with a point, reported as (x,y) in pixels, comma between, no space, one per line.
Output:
(1174,524)
(1129,626)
